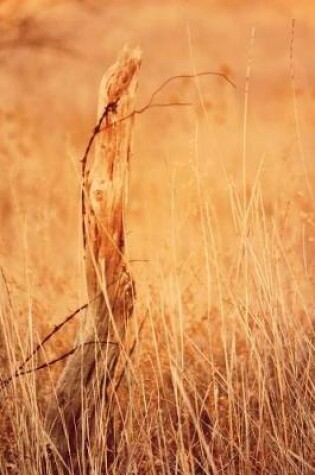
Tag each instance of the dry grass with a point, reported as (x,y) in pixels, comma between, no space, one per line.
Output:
(221,241)
(229,390)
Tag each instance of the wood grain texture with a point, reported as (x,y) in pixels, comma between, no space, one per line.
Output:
(82,392)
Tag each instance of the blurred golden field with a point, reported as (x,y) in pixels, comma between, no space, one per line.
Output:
(220,226)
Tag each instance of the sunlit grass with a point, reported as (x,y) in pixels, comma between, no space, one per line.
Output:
(222,376)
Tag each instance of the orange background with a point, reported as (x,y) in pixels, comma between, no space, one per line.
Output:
(53,55)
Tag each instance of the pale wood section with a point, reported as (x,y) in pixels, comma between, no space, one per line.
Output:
(83,385)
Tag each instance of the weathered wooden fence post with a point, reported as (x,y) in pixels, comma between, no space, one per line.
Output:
(83,385)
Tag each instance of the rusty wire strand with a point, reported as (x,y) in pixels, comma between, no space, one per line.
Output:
(111,107)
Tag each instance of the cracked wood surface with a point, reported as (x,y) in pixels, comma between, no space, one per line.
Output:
(82,390)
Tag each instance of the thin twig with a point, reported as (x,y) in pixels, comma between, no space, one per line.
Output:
(4,383)
(184,76)
(110,107)
(50,335)
(156,105)
(151,105)
(55,329)
(40,345)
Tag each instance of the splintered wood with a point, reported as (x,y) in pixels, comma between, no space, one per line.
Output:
(82,392)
